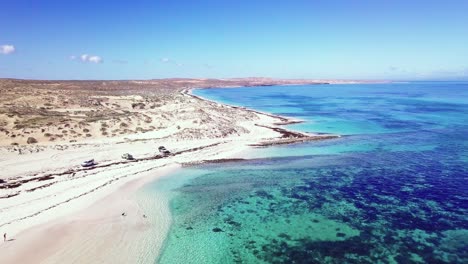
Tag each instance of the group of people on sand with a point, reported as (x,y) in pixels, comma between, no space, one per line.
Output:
(125,214)
(5,234)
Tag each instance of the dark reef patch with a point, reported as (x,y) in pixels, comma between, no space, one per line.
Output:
(393,191)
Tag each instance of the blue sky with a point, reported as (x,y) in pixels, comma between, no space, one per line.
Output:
(348,39)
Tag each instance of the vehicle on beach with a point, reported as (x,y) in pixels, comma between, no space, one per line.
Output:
(164,151)
(127,156)
(88,163)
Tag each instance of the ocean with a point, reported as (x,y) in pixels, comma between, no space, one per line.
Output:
(393,189)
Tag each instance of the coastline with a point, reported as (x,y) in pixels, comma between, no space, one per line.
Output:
(93,234)
(287,136)
(82,217)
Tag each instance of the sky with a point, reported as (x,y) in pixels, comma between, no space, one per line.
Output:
(329,39)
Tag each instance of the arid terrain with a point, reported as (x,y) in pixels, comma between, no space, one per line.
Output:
(58,112)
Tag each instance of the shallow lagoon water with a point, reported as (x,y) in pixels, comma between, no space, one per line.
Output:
(393,190)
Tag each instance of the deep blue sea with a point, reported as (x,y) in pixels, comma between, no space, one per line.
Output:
(393,189)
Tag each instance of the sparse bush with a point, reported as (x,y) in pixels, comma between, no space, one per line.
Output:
(47,134)
(123,124)
(89,135)
(85,130)
(138,105)
(14,144)
(31,140)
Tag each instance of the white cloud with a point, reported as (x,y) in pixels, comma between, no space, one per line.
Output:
(7,49)
(90,58)
(84,57)
(72,57)
(171,61)
(95,59)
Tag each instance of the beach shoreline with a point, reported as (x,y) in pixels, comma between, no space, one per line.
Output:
(93,234)
(287,136)
(61,204)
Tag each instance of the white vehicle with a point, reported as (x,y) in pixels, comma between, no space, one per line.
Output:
(88,163)
(164,151)
(127,156)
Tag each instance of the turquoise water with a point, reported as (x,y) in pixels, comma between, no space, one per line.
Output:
(393,190)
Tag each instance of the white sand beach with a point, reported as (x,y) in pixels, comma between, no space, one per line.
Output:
(55,211)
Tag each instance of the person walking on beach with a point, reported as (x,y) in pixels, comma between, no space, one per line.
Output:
(4,237)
